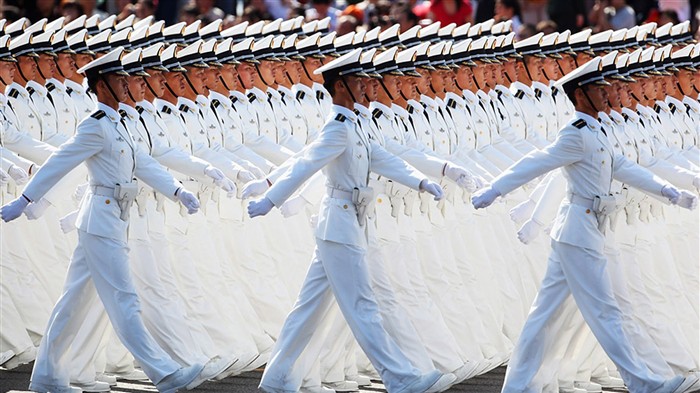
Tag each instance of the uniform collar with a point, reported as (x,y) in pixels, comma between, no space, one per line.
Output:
(58,85)
(542,87)
(362,111)
(259,94)
(632,115)
(672,100)
(415,106)
(482,95)
(202,101)
(386,111)
(239,94)
(186,102)
(287,92)
(592,122)
(319,87)
(470,97)
(302,87)
(452,96)
(147,106)
(605,119)
(345,112)
(129,110)
(76,87)
(502,90)
(617,117)
(693,104)
(112,114)
(18,87)
(517,85)
(274,94)
(40,89)
(662,105)
(399,111)
(429,102)
(223,100)
(160,103)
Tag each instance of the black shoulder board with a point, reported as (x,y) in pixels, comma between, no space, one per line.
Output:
(672,107)
(625,116)
(340,117)
(451,103)
(580,123)
(687,108)
(166,110)
(50,86)
(411,109)
(320,95)
(98,115)
(356,112)
(376,113)
(300,95)
(215,103)
(122,113)
(139,109)
(30,90)
(251,97)
(657,108)
(519,94)
(14,93)
(538,93)
(234,100)
(183,108)
(69,90)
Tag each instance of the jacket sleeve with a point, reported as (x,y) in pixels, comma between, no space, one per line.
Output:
(431,166)
(88,141)
(26,146)
(388,165)
(330,144)
(566,149)
(637,176)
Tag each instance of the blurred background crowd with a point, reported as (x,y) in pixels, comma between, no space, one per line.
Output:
(529,16)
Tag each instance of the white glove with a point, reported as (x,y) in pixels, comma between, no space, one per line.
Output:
(13,209)
(696,182)
(80,192)
(4,178)
(255,188)
(293,206)
(19,175)
(479,182)
(432,188)
(671,193)
(529,231)
(522,211)
(36,209)
(687,200)
(67,222)
(257,172)
(460,176)
(260,207)
(484,197)
(245,176)
(188,200)
(214,173)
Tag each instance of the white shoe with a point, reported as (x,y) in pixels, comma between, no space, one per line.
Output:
(110,379)
(315,389)
(571,390)
(432,382)
(442,384)
(180,379)
(24,357)
(371,374)
(360,379)
(590,387)
(5,356)
(133,375)
(214,367)
(609,382)
(342,386)
(94,386)
(679,384)
(468,370)
(41,388)
(240,366)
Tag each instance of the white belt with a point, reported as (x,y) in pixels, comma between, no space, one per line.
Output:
(580,201)
(102,191)
(337,193)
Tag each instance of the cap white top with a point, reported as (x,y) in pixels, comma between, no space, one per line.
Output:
(487,25)
(461,46)
(683,52)
(77,23)
(324,23)
(343,40)
(632,32)
(309,41)
(22,40)
(147,21)
(497,28)
(664,30)
(55,24)
(92,21)
(368,56)
(681,28)
(621,60)
(168,53)
(534,40)
(327,39)
(422,48)
(359,37)
(210,28)
(372,34)
(120,35)
(192,28)
(436,49)
(348,58)
(43,37)
(272,27)
(410,33)
(208,46)
(138,34)
(113,56)
(190,49)
(447,30)
(235,30)
(603,36)
(243,45)
(647,54)
(255,28)
(392,31)
(581,36)
(223,46)
(429,30)
(461,31)
(108,23)
(155,27)
(132,57)
(127,22)
(408,55)
(618,35)
(152,50)
(549,40)
(101,37)
(609,58)
(591,67)
(17,25)
(36,26)
(263,43)
(386,56)
(176,29)
(635,56)
(77,37)
(309,27)
(289,41)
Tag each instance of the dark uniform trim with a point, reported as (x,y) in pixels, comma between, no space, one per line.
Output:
(377,113)
(580,123)
(14,93)
(50,86)
(184,108)
(251,97)
(166,110)
(300,95)
(98,115)
(519,94)
(341,117)
(320,95)
(30,90)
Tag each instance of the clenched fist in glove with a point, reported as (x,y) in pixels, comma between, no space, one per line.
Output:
(529,231)
(36,209)
(260,207)
(484,197)
(67,222)
(522,211)
(431,188)
(461,176)
(19,175)
(221,180)
(14,209)
(4,177)
(682,198)
(188,200)
(245,177)
(255,188)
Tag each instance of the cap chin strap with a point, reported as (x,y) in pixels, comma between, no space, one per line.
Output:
(150,88)
(289,77)
(191,85)
(167,86)
(475,82)
(223,82)
(19,68)
(391,97)
(306,71)
(342,78)
(403,95)
(590,101)
(39,70)
(257,68)
(504,72)
(527,70)
(635,97)
(696,89)
(109,87)
(680,88)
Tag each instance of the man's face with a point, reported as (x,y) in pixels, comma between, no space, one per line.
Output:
(293,69)
(197,78)
(425,80)
(480,74)
(119,86)
(599,96)
(311,64)
(280,73)
(7,71)
(534,65)
(636,88)
(649,88)
(613,96)
(371,86)
(356,86)
(27,66)
(567,63)
(66,64)
(408,87)
(229,75)
(464,77)
(157,82)
(436,81)
(211,76)
(47,65)
(246,72)
(176,81)
(623,91)
(551,68)
(267,70)
(137,87)
(582,58)
(393,85)
(686,79)
(82,59)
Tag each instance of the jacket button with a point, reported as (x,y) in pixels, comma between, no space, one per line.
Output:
(345,206)
(379,200)
(107,202)
(588,211)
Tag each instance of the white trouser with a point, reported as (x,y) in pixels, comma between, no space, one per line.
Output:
(13,335)
(100,266)
(337,270)
(582,273)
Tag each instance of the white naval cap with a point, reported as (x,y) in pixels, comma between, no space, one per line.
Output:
(100,42)
(548,45)
(287,26)
(139,38)
(663,33)
(3,22)
(367,62)
(211,30)
(308,47)
(191,32)
(36,26)
(631,37)
(107,23)
(150,57)
(422,60)
(635,66)
(107,64)
(385,62)
(474,31)
(22,46)
(223,52)
(120,38)
(390,37)
(600,42)
(243,51)
(498,28)
(5,54)
(579,42)
(174,34)
(42,43)
(289,47)
(324,25)
(586,74)
(486,26)
(169,59)
(681,33)
(191,56)
(346,65)
(75,25)
(359,38)
(236,32)
(326,44)
(430,32)
(409,37)
(309,27)
(78,43)
(617,39)
(208,53)
(272,27)
(607,64)
(682,58)
(406,60)
(530,46)
(91,24)
(126,22)
(255,30)
(445,32)
(371,39)
(343,44)
(132,63)
(15,29)
(56,24)
(147,21)
(461,32)
(262,49)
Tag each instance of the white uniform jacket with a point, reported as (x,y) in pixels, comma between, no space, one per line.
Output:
(112,157)
(346,156)
(589,165)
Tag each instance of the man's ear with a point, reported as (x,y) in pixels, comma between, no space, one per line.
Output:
(339,85)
